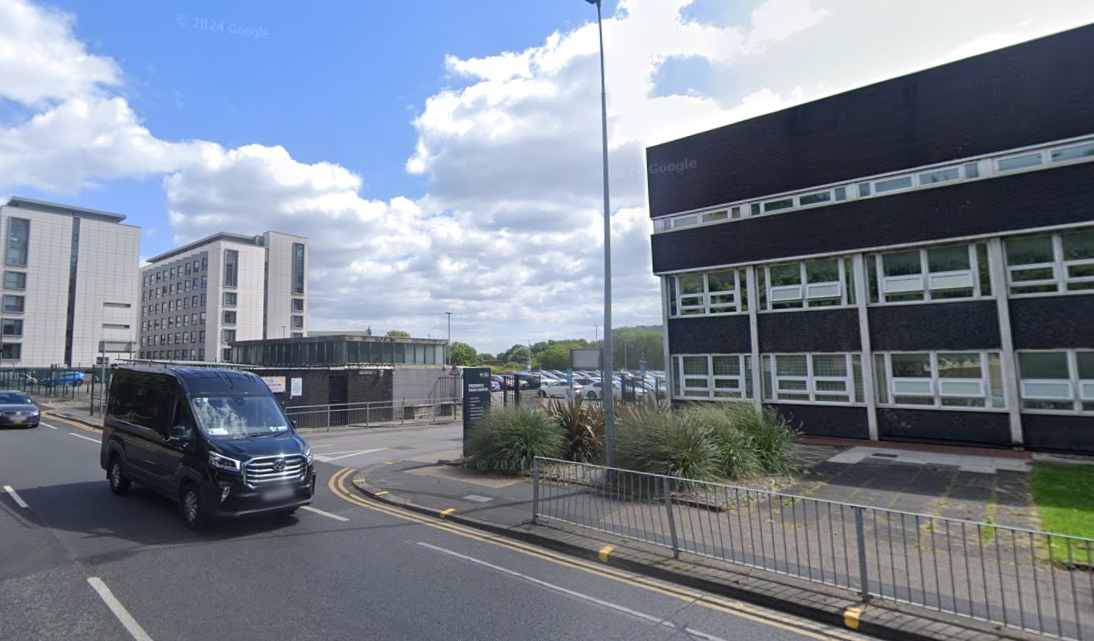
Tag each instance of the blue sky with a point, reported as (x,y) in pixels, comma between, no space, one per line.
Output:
(441,155)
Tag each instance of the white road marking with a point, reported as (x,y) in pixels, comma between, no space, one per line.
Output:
(326,514)
(49,426)
(119,610)
(327,458)
(86,438)
(577,595)
(15,495)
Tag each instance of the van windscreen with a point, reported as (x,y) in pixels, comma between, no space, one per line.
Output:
(239,416)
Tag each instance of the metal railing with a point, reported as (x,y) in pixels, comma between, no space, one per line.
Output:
(375,414)
(1017,578)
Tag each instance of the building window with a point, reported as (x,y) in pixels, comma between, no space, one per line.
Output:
(1051,263)
(204,282)
(229,317)
(13,304)
(118,305)
(231,268)
(1060,380)
(940,379)
(115,326)
(712,377)
(819,283)
(15,280)
(298,304)
(11,351)
(298,268)
(297,322)
(721,292)
(18,241)
(230,298)
(226,355)
(13,327)
(227,335)
(813,378)
(298,334)
(933,273)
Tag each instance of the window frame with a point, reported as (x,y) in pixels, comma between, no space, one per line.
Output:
(935,382)
(1080,390)
(845,283)
(1060,279)
(743,379)
(677,308)
(854,380)
(924,282)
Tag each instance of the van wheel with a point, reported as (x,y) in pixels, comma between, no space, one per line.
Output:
(119,484)
(192,507)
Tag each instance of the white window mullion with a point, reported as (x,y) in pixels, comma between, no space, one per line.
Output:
(925,274)
(810,386)
(974,263)
(1058,262)
(1076,385)
(936,380)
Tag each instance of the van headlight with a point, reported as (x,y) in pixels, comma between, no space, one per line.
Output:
(307,454)
(222,462)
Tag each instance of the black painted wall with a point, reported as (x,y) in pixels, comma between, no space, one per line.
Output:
(827,420)
(973,325)
(1051,322)
(1026,94)
(821,330)
(1012,203)
(710,335)
(1057,433)
(982,429)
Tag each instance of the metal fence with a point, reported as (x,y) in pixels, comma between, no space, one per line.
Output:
(56,382)
(375,414)
(1018,578)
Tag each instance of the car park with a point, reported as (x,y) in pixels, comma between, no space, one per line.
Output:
(18,410)
(216,441)
(595,390)
(559,389)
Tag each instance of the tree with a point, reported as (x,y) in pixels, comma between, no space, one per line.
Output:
(556,356)
(464,355)
(398,333)
(519,354)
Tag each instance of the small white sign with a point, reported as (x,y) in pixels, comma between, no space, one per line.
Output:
(275,383)
(297,387)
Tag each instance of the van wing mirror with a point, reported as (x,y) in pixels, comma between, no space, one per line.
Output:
(179,433)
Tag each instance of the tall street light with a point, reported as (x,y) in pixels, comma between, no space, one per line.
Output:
(607,379)
(448,347)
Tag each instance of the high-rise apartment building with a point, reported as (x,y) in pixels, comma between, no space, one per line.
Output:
(198,298)
(71,281)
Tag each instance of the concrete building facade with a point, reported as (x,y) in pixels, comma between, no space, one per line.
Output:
(71,282)
(199,298)
(908,261)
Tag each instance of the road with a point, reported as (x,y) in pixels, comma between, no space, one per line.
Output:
(77,562)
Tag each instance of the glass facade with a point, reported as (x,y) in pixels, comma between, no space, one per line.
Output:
(340,350)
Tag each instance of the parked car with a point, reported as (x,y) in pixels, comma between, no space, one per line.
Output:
(559,389)
(18,410)
(595,390)
(217,441)
(64,378)
(495,386)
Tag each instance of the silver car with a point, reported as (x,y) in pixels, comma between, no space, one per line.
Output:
(17,410)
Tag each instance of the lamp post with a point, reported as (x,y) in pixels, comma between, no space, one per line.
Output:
(608,391)
(448,345)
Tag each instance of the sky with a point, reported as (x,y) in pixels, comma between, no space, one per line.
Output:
(441,155)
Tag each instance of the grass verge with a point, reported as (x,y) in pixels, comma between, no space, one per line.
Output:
(1064,496)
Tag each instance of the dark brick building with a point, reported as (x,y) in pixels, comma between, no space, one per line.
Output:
(908,261)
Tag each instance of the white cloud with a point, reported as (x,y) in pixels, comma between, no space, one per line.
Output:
(509,235)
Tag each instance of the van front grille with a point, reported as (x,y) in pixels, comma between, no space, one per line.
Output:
(274,469)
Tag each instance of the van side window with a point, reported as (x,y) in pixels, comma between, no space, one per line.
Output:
(180,414)
(147,408)
(121,401)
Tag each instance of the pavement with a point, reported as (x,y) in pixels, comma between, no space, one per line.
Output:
(978,485)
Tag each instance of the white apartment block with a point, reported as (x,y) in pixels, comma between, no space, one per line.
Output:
(71,281)
(199,298)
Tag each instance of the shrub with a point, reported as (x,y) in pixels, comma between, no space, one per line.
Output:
(659,443)
(506,439)
(582,425)
(772,437)
(737,455)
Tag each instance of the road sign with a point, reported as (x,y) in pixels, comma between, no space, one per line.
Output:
(455,371)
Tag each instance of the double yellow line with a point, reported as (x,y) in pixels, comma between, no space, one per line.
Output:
(338,485)
(71,423)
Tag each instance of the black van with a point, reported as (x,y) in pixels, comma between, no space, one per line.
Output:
(215,440)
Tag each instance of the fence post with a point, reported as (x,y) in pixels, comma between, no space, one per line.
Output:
(860,535)
(328,417)
(672,519)
(368,412)
(535,489)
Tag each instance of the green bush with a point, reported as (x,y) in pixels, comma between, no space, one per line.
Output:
(506,439)
(705,441)
(666,443)
(583,426)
